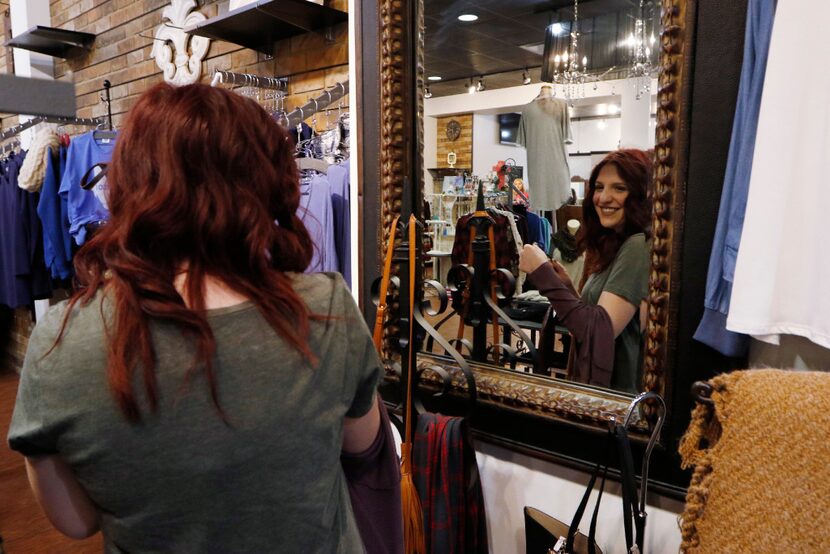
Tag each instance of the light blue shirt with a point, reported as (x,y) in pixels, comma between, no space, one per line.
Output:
(84,206)
(712,329)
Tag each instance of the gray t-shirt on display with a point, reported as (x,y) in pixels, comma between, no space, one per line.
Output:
(182,481)
(543,130)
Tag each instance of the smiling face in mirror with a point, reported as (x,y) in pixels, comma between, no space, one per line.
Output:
(610,193)
(484,75)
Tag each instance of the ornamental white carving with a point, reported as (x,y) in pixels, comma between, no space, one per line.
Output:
(181,65)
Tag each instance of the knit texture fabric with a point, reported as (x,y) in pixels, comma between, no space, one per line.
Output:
(33,170)
(761,480)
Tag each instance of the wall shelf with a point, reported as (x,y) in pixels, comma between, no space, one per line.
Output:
(59,43)
(441,172)
(258,26)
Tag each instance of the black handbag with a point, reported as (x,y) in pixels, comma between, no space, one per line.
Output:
(547,535)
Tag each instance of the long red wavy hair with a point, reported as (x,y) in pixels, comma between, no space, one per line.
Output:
(198,177)
(600,244)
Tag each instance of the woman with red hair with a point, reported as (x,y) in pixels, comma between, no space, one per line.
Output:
(607,315)
(196,392)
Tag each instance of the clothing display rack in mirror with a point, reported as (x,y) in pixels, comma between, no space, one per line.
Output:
(410,317)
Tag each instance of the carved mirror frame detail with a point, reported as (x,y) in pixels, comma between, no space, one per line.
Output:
(520,392)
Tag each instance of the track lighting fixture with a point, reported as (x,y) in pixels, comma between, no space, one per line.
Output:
(427,93)
(480,86)
(526,80)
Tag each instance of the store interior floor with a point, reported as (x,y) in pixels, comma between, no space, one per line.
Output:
(23,526)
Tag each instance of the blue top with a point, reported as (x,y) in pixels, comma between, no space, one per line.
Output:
(53,213)
(339,179)
(84,206)
(23,275)
(316,213)
(712,329)
(535,234)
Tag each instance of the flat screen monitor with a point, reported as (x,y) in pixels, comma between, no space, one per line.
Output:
(509,128)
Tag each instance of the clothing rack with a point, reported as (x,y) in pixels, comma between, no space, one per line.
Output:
(249,80)
(17,129)
(318,104)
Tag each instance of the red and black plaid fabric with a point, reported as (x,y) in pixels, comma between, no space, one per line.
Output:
(507,256)
(446,476)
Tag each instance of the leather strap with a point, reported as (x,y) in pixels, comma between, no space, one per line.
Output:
(377,336)
(88,181)
(629,492)
(413,222)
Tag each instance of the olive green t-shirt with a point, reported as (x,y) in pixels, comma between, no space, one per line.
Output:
(627,276)
(182,481)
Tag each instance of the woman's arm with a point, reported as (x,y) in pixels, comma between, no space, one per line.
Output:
(61,497)
(564,298)
(360,432)
(619,310)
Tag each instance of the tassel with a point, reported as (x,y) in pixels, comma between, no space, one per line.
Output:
(413,520)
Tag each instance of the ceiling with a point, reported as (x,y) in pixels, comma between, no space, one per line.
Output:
(509,35)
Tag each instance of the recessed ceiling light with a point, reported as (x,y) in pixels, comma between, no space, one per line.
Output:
(557,29)
(467,17)
(434,78)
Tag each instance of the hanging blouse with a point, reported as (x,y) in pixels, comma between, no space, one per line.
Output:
(782,268)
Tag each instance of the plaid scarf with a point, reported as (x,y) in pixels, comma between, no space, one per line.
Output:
(447,479)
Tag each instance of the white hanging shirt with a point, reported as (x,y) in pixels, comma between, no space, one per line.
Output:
(782,275)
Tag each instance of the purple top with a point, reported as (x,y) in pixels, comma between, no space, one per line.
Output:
(317,214)
(339,179)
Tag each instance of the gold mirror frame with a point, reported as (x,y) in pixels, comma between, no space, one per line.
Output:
(400,67)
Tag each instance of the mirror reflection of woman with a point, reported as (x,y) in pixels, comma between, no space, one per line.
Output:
(606,315)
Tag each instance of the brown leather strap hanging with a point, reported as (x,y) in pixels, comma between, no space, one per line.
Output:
(413,519)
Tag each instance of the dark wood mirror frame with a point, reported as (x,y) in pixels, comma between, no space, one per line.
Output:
(554,420)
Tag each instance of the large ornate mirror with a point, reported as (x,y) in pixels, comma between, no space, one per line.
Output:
(467,126)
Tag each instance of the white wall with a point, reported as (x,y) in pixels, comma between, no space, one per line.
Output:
(512,481)
(591,135)
(486,147)
(793,352)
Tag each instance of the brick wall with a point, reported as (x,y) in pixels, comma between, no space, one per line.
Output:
(122,55)
(6,61)
(463,146)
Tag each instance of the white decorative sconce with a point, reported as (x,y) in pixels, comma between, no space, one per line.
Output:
(181,65)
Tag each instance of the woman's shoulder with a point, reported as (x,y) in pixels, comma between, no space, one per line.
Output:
(83,329)
(322,292)
(637,240)
(635,245)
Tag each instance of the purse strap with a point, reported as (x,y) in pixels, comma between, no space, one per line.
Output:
(631,512)
(580,511)
(377,336)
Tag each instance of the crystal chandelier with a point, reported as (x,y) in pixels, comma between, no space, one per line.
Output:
(568,69)
(640,68)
